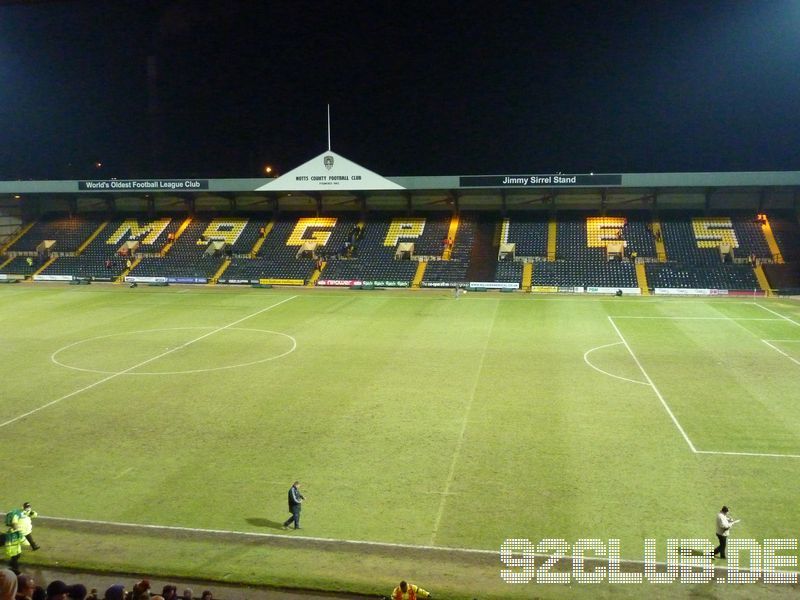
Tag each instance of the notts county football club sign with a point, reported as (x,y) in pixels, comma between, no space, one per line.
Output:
(329,171)
(558,180)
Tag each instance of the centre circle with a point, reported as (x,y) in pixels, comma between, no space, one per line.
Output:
(166,351)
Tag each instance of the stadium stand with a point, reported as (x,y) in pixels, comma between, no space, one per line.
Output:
(277,258)
(573,241)
(528,232)
(100,260)
(508,271)
(19,266)
(224,245)
(374,256)
(68,232)
(186,261)
(446,273)
(719,277)
(563,273)
(786,230)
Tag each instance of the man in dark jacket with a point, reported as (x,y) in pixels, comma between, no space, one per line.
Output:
(295,500)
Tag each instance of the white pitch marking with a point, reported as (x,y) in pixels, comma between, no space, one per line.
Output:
(699,318)
(306,538)
(208,370)
(123,473)
(763,454)
(784,317)
(653,385)
(779,351)
(586,360)
(459,445)
(141,364)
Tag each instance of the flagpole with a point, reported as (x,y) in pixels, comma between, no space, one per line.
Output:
(329,127)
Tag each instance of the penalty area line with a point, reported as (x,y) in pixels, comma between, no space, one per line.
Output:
(143,363)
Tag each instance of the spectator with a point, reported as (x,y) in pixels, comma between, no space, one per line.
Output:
(115,592)
(57,590)
(77,591)
(187,594)
(207,595)
(92,595)
(8,585)
(169,592)
(141,591)
(39,593)
(25,587)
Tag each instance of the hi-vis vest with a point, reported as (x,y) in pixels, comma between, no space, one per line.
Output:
(411,594)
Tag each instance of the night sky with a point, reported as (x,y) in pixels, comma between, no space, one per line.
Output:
(416,88)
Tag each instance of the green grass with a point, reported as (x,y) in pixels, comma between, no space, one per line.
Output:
(412,418)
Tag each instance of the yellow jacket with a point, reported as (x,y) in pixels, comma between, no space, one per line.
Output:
(412,593)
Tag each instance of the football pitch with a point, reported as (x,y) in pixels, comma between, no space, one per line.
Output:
(157,430)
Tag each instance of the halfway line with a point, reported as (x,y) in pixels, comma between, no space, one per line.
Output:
(143,363)
(460,444)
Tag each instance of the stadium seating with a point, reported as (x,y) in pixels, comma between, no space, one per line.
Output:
(374,255)
(68,232)
(453,271)
(186,260)
(528,233)
(719,277)
(692,243)
(277,257)
(19,266)
(562,273)
(508,271)
(786,230)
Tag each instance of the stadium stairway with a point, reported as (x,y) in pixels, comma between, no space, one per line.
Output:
(215,278)
(260,240)
(451,235)
(415,283)
(527,276)
(5,262)
(13,239)
(483,258)
(312,281)
(761,277)
(658,234)
(49,262)
(552,229)
(136,261)
(90,239)
(771,242)
(169,245)
(641,279)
